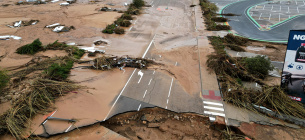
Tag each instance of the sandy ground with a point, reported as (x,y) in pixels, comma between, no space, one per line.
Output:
(87,20)
(86,106)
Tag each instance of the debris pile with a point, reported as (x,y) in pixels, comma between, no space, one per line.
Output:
(7,37)
(232,71)
(34,2)
(40,95)
(23,23)
(57,27)
(107,63)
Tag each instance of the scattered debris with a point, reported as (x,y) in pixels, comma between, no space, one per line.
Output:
(64,4)
(7,37)
(105,9)
(23,23)
(34,2)
(100,42)
(107,63)
(57,27)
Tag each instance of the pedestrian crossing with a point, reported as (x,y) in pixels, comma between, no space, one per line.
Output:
(213,109)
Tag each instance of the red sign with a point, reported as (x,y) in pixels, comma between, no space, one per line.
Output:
(296,98)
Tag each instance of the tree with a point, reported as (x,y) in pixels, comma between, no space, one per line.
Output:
(259,65)
(138,3)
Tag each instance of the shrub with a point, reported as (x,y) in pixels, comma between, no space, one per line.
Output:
(59,71)
(119,31)
(72,50)
(126,16)
(4,79)
(236,48)
(32,48)
(232,39)
(109,29)
(219,19)
(122,22)
(259,65)
(76,52)
(138,3)
(133,10)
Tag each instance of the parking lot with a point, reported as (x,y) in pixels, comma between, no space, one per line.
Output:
(270,14)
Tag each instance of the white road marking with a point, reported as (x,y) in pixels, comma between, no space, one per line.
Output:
(304,2)
(139,107)
(213,108)
(271,8)
(288,10)
(145,93)
(289,16)
(170,88)
(260,16)
(141,74)
(214,113)
(152,6)
(269,16)
(264,7)
(212,103)
(149,81)
(279,17)
(68,128)
(130,28)
(148,46)
(176,63)
(50,116)
(166,107)
(255,6)
(120,94)
(167,101)
(298,9)
(154,72)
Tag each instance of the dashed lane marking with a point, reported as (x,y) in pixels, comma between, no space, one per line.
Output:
(120,94)
(149,81)
(139,107)
(144,93)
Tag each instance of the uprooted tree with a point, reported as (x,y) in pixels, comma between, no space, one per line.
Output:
(231,71)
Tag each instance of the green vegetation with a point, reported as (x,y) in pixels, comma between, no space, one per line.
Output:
(231,72)
(109,29)
(41,96)
(119,31)
(4,79)
(259,65)
(32,48)
(58,71)
(133,9)
(236,40)
(72,50)
(126,16)
(138,3)
(122,22)
(209,12)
